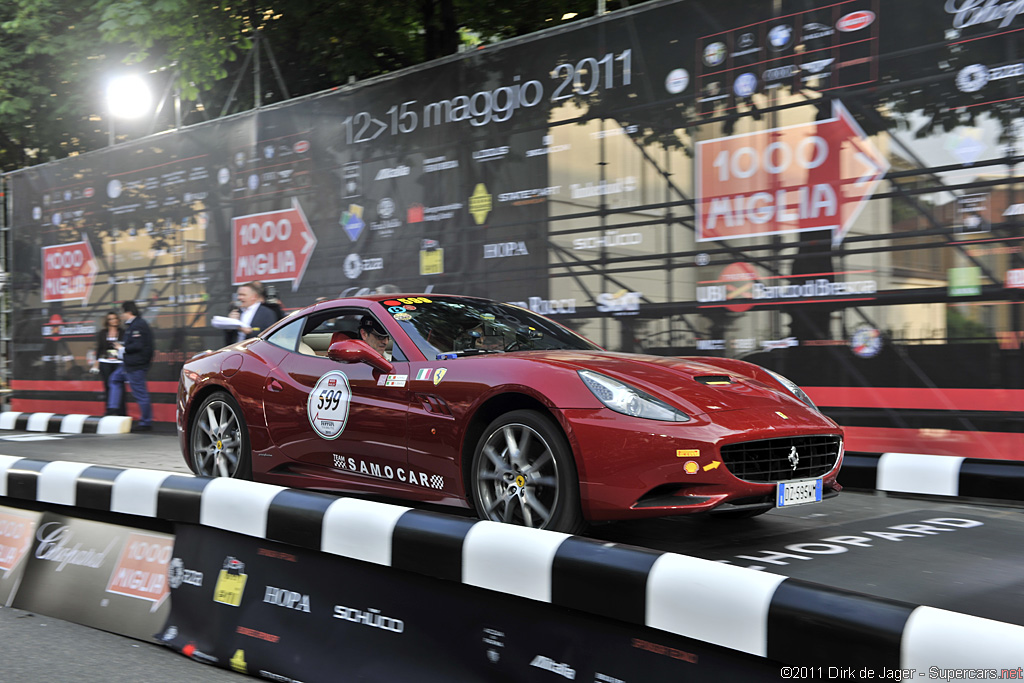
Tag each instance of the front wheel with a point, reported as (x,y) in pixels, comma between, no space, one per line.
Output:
(523,473)
(219,439)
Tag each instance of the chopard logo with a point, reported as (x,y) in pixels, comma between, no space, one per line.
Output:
(54,539)
(794,457)
(972,12)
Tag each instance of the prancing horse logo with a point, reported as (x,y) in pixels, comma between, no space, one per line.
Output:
(794,458)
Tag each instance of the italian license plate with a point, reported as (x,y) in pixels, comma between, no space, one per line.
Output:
(798,492)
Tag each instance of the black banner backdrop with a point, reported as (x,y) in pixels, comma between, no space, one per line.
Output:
(684,177)
(289,614)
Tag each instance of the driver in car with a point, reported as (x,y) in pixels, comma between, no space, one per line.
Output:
(374,334)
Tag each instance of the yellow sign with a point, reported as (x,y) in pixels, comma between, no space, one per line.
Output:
(229,588)
(688,453)
(432,262)
(238,662)
(480,203)
(691,467)
(712,465)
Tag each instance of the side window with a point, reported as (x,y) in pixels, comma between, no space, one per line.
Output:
(287,336)
(326,327)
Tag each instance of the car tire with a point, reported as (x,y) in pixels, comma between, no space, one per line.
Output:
(523,473)
(219,439)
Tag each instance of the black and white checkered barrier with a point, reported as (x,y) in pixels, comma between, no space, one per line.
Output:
(935,475)
(783,619)
(65,424)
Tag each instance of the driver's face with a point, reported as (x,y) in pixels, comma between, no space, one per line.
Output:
(377,342)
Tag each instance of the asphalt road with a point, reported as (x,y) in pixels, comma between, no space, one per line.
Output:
(953,555)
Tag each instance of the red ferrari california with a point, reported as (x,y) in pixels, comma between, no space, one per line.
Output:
(470,402)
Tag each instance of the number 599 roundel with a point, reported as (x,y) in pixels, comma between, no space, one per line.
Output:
(469,402)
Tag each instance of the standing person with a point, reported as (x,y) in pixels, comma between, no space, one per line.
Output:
(136,351)
(256,316)
(107,360)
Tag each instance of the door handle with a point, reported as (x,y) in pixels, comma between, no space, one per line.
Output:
(274,385)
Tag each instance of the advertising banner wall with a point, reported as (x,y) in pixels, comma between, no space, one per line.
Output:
(17,530)
(102,575)
(288,614)
(800,183)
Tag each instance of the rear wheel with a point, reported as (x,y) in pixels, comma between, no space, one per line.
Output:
(219,439)
(523,473)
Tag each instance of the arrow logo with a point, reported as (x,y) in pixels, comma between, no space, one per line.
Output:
(810,176)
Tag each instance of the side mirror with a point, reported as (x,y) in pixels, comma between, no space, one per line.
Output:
(358,351)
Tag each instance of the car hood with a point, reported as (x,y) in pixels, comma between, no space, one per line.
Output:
(695,386)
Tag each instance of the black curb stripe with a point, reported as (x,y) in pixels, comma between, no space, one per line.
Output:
(815,625)
(180,498)
(53,424)
(95,487)
(430,543)
(297,518)
(23,478)
(603,578)
(91,425)
(981,478)
(859,471)
(21,422)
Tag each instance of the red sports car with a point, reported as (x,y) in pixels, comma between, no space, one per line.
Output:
(470,402)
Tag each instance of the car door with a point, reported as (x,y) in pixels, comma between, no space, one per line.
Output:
(334,418)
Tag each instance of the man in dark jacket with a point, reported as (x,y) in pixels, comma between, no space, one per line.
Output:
(136,350)
(255,315)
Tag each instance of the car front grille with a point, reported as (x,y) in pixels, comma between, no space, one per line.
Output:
(772,459)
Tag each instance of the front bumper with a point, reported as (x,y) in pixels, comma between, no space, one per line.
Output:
(631,468)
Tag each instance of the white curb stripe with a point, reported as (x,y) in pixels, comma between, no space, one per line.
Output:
(949,640)
(8,419)
(37,422)
(5,464)
(57,482)
(510,559)
(237,505)
(916,473)
(360,529)
(711,601)
(135,492)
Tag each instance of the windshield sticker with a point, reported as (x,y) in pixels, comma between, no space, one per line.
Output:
(411,300)
(327,405)
(402,317)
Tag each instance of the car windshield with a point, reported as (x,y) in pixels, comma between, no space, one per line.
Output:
(470,326)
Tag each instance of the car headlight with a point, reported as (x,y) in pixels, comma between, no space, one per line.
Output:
(793,389)
(628,400)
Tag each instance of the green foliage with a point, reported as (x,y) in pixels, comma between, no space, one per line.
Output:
(55,55)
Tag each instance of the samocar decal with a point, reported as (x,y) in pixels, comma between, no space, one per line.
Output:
(327,405)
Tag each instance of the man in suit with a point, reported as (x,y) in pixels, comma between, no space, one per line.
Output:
(255,315)
(136,351)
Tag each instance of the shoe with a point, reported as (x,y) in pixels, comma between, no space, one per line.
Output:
(143,428)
